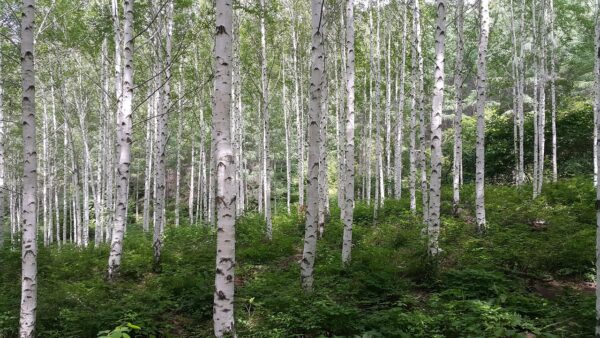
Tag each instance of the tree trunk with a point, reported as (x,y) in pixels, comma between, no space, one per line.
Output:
(484,19)
(299,124)
(2,160)
(398,147)
(288,173)
(597,142)
(125,138)
(29,240)
(161,140)
(316,85)
(266,163)
(553,91)
(179,130)
(458,85)
(225,170)
(349,151)
(436,131)
(422,118)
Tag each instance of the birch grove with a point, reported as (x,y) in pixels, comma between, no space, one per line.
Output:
(394,137)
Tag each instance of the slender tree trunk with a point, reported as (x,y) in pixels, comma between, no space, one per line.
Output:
(422,117)
(349,151)
(542,100)
(436,131)
(125,138)
(29,241)
(161,140)
(266,163)
(2,159)
(521,91)
(44,170)
(398,148)
(458,85)
(597,142)
(388,104)
(553,91)
(179,131)
(225,170)
(323,182)
(191,192)
(288,173)
(380,190)
(484,19)
(299,125)
(417,76)
(536,124)
(316,85)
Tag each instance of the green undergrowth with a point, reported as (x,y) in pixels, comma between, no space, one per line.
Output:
(515,279)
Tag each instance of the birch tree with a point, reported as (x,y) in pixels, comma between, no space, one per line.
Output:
(316,85)
(484,21)
(398,145)
(436,131)
(458,85)
(597,150)
(2,159)
(223,314)
(29,236)
(161,139)
(125,138)
(349,134)
(553,90)
(266,164)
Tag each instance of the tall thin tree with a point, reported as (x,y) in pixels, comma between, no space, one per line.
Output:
(224,164)
(484,21)
(29,236)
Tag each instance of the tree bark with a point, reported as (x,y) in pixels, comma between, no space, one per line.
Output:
(223,314)
(161,139)
(266,163)
(458,85)
(125,138)
(436,131)
(349,151)
(316,85)
(484,19)
(597,152)
(29,239)
(399,141)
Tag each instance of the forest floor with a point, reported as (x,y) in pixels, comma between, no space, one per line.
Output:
(531,274)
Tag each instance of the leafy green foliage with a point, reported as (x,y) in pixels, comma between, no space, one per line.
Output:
(492,285)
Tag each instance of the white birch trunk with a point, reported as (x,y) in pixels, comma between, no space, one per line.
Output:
(125,138)
(597,153)
(299,124)
(2,159)
(484,19)
(223,314)
(191,192)
(266,163)
(349,134)
(458,84)
(316,85)
(436,131)
(398,147)
(179,131)
(29,239)
(161,140)
(288,173)
(553,91)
